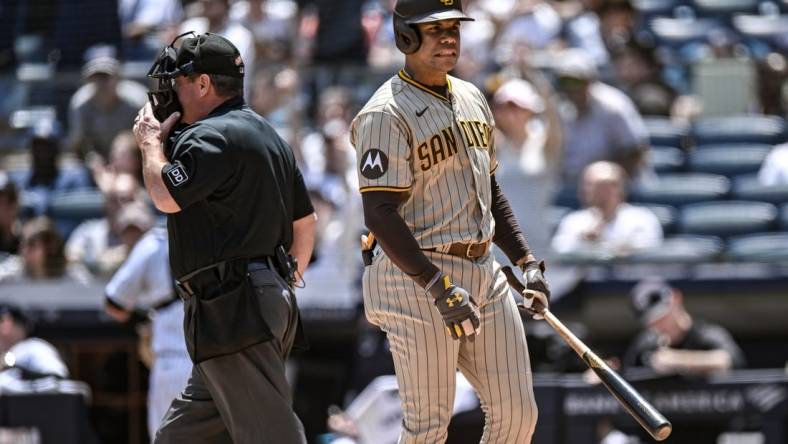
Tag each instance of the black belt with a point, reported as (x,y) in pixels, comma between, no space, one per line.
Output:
(185,284)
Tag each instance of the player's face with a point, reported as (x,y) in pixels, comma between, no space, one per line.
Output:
(440,45)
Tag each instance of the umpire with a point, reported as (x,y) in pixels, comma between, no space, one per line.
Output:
(240,232)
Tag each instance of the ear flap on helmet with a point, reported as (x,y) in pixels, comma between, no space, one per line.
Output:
(407,36)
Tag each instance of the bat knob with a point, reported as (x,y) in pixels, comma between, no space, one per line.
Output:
(663,432)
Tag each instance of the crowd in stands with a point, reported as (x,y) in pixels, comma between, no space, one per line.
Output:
(626,129)
(571,82)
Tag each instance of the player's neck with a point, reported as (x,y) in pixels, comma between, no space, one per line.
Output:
(427,76)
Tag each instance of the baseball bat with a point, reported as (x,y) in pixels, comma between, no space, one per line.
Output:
(633,402)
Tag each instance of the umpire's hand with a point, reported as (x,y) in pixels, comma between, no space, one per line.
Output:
(148,131)
(457,308)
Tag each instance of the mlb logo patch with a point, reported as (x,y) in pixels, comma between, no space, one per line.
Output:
(177,175)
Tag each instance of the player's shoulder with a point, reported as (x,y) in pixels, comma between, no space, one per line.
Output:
(383,100)
(382,106)
(460,86)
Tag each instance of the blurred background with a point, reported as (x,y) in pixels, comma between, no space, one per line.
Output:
(638,140)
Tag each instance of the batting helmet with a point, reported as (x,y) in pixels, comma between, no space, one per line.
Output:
(407,13)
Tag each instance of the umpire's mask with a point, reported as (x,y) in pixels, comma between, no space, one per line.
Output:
(163,98)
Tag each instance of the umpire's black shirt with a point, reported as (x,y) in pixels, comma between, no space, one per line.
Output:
(238,187)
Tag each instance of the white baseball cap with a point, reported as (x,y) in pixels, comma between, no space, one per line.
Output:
(521,93)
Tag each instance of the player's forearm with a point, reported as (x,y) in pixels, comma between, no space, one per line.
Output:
(701,361)
(303,240)
(396,239)
(153,161)
(508,235)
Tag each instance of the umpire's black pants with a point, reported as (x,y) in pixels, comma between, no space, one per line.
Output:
(242,397)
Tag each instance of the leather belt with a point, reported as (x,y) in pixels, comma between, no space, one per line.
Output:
(186,290)
(462,249)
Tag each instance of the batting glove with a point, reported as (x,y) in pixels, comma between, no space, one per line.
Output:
(457,308)
(536,297)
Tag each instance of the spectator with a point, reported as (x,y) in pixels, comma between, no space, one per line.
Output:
(124,158)
(273,25)
(600,122)
(673,341)
(637,73)
(103,107)
(338,37)
(93,239)
(9,216)
(146,26)
(41,256)
(774,170)
(215,17)
(26,357)
(607,224)
(45,175)
(144,282)
(583,29)
(275,97)
(530,25)
(134,219)
(528,155)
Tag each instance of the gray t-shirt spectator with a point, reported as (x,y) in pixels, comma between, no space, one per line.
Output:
(611,128)
(93,129)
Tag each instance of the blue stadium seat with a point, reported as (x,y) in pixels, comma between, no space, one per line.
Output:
(727,218)
(678,32)
(681,249)
(724,8)
(682,188)
(554,216)
(764,27)
(647,9)
(663,132)
(748,187)
(758,247)
(728,159)
(784,217)
(69,209)
(749,128)
(567,197)
(666,214)
(666,159)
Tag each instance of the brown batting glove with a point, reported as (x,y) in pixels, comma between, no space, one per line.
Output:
(536,297)
(457,308)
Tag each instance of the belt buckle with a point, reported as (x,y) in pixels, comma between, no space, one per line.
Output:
(468,250)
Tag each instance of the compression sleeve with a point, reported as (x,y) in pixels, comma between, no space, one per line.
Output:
(508,235)
(396,239)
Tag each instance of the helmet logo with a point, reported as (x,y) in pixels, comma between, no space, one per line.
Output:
(447,2)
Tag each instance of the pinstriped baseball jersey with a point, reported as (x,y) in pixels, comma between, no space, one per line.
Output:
(439,149)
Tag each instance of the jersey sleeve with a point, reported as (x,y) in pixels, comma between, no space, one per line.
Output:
(133,280)
(200,165)
(383,152)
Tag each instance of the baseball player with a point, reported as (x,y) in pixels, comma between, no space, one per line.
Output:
(144,281)
(426,173)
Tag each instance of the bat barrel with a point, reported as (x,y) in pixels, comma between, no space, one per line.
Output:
(649,417)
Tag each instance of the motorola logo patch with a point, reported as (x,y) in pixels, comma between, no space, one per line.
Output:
(374,164)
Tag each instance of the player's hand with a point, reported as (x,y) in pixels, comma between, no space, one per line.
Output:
(457,308)
(536,297)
